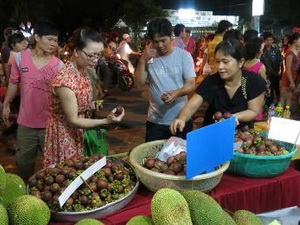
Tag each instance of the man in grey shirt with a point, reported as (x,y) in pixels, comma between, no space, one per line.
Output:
(171,77)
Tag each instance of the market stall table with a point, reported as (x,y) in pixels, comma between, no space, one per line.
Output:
(233,193)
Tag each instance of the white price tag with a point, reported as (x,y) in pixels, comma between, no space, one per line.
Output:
(285,130)
(79,180)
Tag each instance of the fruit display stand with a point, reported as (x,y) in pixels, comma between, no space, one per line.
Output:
(257,195)
(86,177)
(233,193)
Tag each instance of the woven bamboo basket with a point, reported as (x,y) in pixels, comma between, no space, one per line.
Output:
(154,180)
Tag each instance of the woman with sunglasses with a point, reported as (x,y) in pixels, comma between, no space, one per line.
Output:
(72,97)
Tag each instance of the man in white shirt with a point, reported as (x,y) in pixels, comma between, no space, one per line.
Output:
(124,51)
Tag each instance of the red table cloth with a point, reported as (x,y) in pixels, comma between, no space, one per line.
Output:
(232,193)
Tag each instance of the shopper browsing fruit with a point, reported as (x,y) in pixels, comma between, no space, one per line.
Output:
(71,97)
(171,77)
(230,89)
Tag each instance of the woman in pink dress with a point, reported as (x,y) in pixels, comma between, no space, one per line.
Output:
(71,98)
(254,48)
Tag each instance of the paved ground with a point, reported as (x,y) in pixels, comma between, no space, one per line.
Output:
(131,131)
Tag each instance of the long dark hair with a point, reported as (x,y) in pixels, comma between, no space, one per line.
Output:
(231,47)
(253,47)
(294,37)
(81,36)
(14,38)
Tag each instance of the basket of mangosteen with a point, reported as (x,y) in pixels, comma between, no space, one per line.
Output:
(259,156)
(170,173)
(85,187)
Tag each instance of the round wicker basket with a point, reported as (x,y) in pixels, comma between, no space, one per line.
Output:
(154,180)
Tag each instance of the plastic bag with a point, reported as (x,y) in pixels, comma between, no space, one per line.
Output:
(94,142)
(172,146)
(286,216)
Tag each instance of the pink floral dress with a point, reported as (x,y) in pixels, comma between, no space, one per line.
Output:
(63,141)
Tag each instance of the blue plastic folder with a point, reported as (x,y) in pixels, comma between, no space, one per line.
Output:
(209,147)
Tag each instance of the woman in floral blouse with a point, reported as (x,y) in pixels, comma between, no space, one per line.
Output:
(72,97)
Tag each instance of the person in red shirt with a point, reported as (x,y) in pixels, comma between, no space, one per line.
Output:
(190,43)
